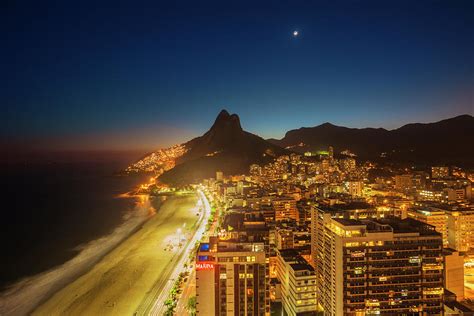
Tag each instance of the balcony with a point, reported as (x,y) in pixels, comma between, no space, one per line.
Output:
(391,275)
(351,294)
(396,282)
(356,285)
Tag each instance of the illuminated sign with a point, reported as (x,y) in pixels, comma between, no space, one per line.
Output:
(433,291)
(204,266)
(432,266)
(357,254)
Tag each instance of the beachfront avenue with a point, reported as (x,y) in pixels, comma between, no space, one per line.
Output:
(165,285)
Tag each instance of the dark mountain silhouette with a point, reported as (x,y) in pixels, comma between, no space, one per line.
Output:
(225,147)
(448,141)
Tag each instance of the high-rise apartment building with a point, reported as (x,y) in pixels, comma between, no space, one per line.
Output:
(378,266)
(232,278)
(461,229)
(355,188)
(285,208)
(456,194)
(354,210)
(298,283)
(404,182)
(284,238)
(435,217)
(431,196)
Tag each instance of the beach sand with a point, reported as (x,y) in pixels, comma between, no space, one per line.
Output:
(120,281)
(26,294)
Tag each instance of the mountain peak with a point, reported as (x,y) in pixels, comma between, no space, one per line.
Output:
(227,121)
(327,124)
(223,114)
(225,147)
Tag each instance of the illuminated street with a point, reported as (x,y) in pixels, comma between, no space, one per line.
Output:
(165,287)
(126,280)
(189,290)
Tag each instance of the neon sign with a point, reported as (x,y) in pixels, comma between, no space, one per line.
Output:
(204,266)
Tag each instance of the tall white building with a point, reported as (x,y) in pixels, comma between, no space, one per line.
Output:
(461,229)
(383,266)
(435,217)
(298,283)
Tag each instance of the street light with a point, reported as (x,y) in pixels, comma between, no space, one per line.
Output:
(179,235)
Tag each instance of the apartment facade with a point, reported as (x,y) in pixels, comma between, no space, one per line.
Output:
(285,208)
(461,229)
(383,266)
(298,283)
(232,278)
(434,217)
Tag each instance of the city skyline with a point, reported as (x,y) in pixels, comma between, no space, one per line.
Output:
(250,158)
(62,144)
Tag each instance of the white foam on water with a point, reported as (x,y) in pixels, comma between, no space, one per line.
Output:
(25,295)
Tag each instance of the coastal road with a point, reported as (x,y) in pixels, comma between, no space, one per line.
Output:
(189,290)
(163,288)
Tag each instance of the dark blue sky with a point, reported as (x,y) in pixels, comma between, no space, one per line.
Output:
(116,75)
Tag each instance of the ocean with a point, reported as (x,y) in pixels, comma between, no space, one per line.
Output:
(51,211)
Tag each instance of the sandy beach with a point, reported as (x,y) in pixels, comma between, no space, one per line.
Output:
(23,296)
(119,282)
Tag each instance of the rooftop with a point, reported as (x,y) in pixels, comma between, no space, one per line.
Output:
(391,224)
(244,219)
(456,305)
(302,267)
(349,222)
(353,205)
(295,260)
(216,245)
(408,225)
(289,253)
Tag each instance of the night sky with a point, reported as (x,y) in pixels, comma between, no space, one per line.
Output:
(135,75)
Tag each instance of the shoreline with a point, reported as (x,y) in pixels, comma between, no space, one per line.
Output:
(27,294)
(118,283)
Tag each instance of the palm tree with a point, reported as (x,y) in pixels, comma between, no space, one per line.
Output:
(191,306)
